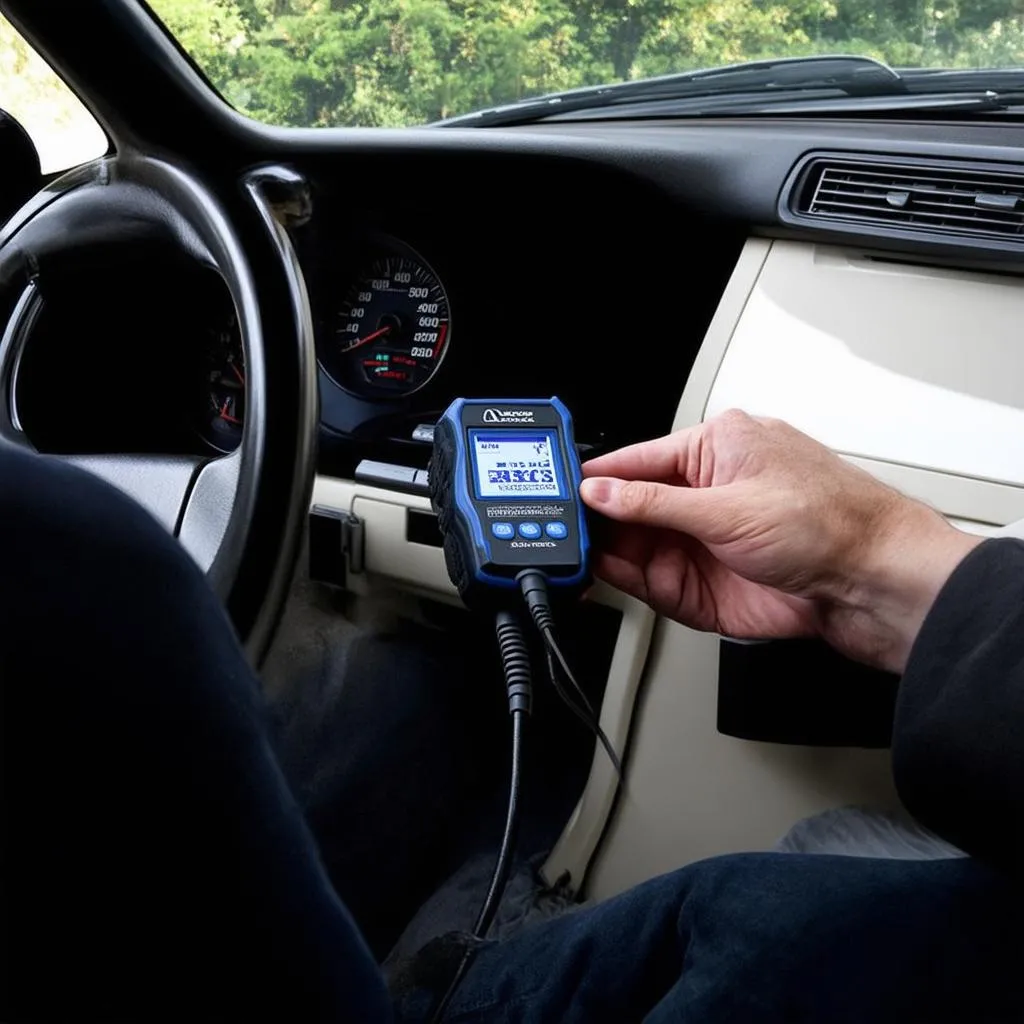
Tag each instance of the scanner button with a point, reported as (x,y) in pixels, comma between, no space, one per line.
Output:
(556,530)
(531,531)
(503,531)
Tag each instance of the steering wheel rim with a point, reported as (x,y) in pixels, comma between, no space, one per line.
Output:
(240,515)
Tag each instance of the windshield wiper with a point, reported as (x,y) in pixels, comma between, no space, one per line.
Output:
(797,83)
(845,75)
(797,103)
(1005,83)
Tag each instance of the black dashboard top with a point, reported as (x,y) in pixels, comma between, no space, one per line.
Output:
(730,169)
(579,259)
(562,277)
(583,260)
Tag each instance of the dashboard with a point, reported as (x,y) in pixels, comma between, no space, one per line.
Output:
(536,278)
(583,260)
(522,278)
(565,282)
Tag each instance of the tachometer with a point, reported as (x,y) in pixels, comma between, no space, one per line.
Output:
(223,394)
(392,330)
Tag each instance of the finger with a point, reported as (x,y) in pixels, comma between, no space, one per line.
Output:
(631,545)
(693,510)
(661,459)
(621,573)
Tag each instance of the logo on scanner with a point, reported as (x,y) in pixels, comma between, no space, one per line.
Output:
(508,416)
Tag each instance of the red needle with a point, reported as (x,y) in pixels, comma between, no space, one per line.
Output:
(225,415)
(368,338)
(238,373)
(439,347)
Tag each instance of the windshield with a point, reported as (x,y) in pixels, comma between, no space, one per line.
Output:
(407,62)
(62,130)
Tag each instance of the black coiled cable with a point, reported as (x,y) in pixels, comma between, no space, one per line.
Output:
(515,664)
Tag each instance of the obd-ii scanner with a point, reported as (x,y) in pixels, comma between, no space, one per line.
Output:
(504,481)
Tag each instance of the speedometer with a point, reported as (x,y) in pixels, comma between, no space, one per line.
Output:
(392,330)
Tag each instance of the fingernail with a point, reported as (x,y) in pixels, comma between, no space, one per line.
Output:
(599,491)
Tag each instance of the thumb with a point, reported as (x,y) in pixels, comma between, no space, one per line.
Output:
(686,509)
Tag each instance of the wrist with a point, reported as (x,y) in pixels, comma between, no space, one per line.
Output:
(900,569)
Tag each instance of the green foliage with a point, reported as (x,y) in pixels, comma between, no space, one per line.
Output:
(214,30)
(399,62)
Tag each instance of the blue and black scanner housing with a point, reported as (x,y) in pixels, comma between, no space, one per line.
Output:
(504,482)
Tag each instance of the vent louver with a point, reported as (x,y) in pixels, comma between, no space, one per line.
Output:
(950,200)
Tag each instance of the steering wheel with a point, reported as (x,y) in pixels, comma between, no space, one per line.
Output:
(241,515)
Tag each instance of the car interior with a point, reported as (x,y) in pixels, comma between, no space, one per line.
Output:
(185,317)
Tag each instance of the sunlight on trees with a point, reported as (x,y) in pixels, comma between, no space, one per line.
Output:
(397,62)
(402,62)
(64,132)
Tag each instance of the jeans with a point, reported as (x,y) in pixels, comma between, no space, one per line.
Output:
(766,937)
(157,866)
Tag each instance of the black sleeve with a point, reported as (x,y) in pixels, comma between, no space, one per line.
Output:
(958,742)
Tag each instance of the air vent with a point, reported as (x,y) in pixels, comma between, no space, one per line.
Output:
(950,200)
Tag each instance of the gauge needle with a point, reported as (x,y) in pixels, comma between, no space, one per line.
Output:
(225,415)
(370,337)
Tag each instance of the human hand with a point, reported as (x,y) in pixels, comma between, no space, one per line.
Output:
(749,528)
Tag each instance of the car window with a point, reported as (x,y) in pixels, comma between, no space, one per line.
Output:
(405,62)
(64,132)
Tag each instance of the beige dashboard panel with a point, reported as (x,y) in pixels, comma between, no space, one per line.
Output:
(693,792)
(914,373)
(918,366)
